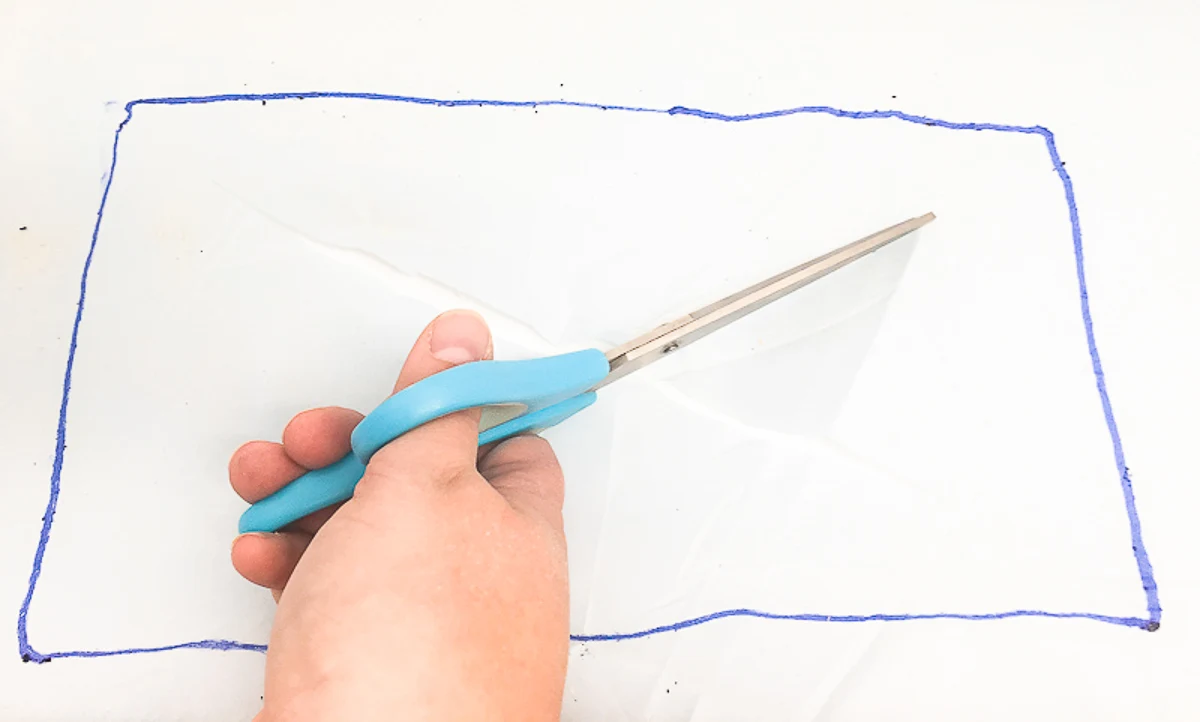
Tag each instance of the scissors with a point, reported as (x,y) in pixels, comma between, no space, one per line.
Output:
(529,396)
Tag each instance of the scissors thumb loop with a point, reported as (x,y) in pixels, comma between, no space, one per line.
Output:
(505,389)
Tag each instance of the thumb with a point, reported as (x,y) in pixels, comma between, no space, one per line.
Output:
(445,447)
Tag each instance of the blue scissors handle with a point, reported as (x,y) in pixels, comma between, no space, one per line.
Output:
(522,396)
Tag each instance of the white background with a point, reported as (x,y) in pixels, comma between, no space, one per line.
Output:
(1109,81)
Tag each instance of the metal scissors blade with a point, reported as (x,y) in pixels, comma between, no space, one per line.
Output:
(670,337)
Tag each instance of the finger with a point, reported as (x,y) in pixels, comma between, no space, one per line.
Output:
(485,450)
(453,338)
(268,560)
(527,474)
(312,439)
(312,523)
(258,469)
(316,438)
(443,448)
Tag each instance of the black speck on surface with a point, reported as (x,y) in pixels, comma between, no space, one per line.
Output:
(264,102)
(928,123)
(25,228)
(25,657)
(202,250)
(560,85)
(1064,164)
(893,97)
(1153,627)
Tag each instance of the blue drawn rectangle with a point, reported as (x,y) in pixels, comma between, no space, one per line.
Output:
(1145,570)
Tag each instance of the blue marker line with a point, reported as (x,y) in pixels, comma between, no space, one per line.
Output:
(853,618)
(1145,570)
(222,645)
(60,444)
(1141,557)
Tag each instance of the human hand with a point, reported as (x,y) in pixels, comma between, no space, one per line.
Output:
(439,590)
